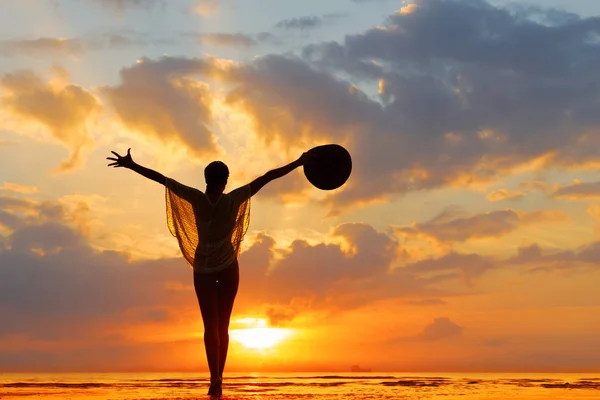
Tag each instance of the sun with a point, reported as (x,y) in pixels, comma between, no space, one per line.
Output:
(258,337)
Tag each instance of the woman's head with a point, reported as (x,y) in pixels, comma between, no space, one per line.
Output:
(216,174)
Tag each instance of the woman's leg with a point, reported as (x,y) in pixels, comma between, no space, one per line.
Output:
(228,284)
(208,297)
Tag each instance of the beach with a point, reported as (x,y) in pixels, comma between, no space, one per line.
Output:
(186,386)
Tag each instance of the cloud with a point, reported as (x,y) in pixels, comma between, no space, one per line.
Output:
(75,47)
(504,194)
(458,110)
(19,188)
(287,100)
(300,23)
(233,39)
(458,100)
(4,143)
(453,266)
(68,271)
(45,243)
(60,106)
(426,302)
(318,271)
(594,211)
(207,7)
(583,259)
(227,39)
(122,5)
(535,186)
(279,315)
(450,227)
(353,270)
(578,191)
(162,99)
(42,46)
(440,328)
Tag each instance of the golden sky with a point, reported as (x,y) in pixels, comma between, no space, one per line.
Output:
(466,239)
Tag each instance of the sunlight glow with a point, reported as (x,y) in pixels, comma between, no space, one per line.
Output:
(258,335)
(259,338)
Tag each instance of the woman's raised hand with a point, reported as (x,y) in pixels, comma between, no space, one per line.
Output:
(307,157)
(125,161)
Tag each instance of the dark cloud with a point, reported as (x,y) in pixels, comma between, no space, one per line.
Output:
(75,47)
(440,328)
(122,5)
(444,93)
(292,102)
(450,227)
(42,46)
(54,286)
(279,315)
(300,23)
(467,91)
(578,191)
(325,276)
(452,266)
(426,302)
(56,289)
(536,258)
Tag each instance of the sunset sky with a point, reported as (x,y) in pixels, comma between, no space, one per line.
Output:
(466,239)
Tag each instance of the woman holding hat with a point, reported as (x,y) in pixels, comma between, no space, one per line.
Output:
(210,227)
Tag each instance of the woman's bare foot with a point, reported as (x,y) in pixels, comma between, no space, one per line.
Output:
(215,390)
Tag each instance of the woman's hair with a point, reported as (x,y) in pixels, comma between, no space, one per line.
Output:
(216,173)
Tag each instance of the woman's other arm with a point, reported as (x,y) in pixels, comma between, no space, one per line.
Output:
(261,181)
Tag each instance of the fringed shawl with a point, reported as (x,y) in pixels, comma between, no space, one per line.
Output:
(209,234)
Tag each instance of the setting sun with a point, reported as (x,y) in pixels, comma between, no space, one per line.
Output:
(257,335)
(259,338)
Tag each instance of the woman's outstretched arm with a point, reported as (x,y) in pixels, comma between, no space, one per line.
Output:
(261,181)
(127,162)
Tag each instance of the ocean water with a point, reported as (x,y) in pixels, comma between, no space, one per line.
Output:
(301,386)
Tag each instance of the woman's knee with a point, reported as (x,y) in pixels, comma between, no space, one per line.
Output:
(212,334)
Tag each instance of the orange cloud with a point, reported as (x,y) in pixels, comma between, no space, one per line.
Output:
(286,100)
(426,302)
(534,186)
(408,9)
(136,325)
(19,188)
(594,211)
(227,39)
(207,7)
(504,194)
(163,100)
(61,107)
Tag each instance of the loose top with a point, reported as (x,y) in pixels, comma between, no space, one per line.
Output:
(209,234)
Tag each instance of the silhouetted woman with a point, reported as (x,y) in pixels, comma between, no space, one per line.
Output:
(209,227)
